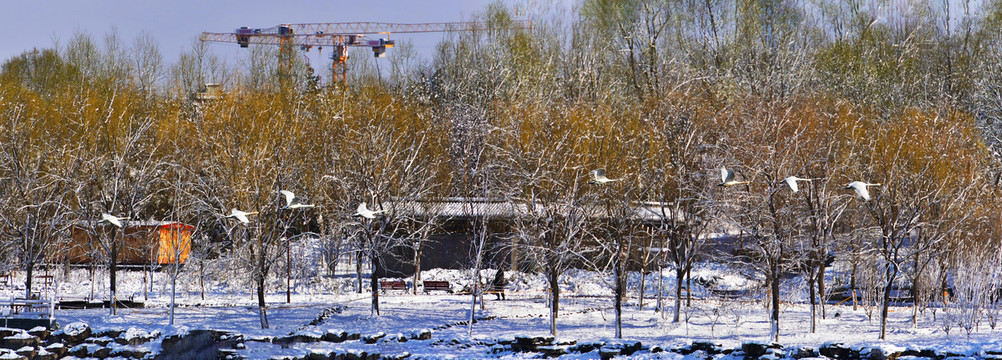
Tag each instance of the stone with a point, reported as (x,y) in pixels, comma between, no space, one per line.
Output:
(530,344)
(803,352)
(27,351)
(837,351)
(73,333)
(586,347)
(422,335)
(40,332)
(135,336)
(129,352)
(197,344)
(56,348)
(874,354)
(753,350)
(8,354)
(18,341)
(926,353)
(552,351)
(317,356)
(45,355)
(372,339)
(705,346)
(111,333)
(334,336)
(103,340)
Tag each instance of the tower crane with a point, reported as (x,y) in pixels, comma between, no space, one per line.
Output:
(337,36)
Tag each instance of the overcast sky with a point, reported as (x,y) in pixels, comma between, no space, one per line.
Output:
(176,23)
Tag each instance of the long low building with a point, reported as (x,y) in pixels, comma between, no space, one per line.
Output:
(450,245)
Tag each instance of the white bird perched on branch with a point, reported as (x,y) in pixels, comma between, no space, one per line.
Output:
(292,202)
(598,177)
(363,211)
(111,219)
(240,215)
(727,178)
(791,182)
(860,188)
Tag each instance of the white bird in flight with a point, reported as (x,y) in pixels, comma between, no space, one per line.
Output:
(727,178)
(598,177)
(111,219)
(240,215)
(791,182)
(860,188)
(292,202)
(363,211)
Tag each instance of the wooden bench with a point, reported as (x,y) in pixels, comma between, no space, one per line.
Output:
(30,308)
(431,285)
(387,285)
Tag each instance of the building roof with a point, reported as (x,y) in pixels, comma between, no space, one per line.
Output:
(502,208)
(137,223)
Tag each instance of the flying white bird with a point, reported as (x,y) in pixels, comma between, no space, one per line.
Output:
(363,211)
(791,182)
(598,177)
(111,219)
(727,178)
(240,215)
(292,202)
(860,188)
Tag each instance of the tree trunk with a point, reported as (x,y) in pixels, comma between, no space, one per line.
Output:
(688,285)
(29,273)
(417,264)
(643,285)
(173,291)
(91,268)
(146,274)
(891,273)
(774,289)
(473,294)
(821,287)
(814,302)
(201,277)
(915,297)
(112,274)
(619,289)
(374,284)
(852,285)
(288,271)
(358,270)
(679,274)
(262,310)
(661,280)
(554,301)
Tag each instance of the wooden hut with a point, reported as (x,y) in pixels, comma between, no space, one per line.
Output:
(139,243)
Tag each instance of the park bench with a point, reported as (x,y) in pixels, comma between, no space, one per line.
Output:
(387,285)
(27,313)
(30,308)
(6,278)
(431,285)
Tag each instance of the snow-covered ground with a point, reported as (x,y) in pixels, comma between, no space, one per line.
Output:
(586,314)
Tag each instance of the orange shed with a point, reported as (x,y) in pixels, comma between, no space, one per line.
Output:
(144,242)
